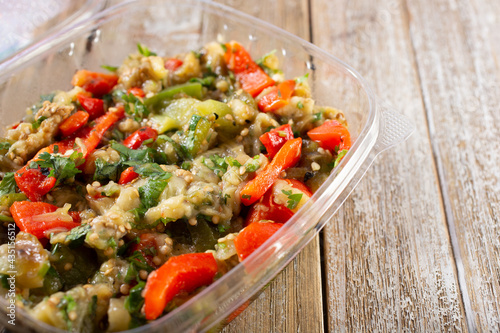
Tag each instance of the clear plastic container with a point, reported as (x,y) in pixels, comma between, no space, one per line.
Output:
(171,27)
(25,22)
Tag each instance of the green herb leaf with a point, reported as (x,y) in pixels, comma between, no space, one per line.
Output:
(340,156)
(134,301)
(206,81)
(61,167)
(77,235)
(8,184)
(151,191)
(110,68)
(293,199)
(66,305)
(302,79)
(133,105)
(149,170)
(218,165)
(224,47)
(36,124)
(318,116)
(253,164)
(5,145)
(144,50)
(300,105)
(246,196)
(107,171)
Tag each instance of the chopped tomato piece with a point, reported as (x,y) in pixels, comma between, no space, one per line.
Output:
(276,138)
(286,157)
(127,176)
(253,236)
(73,123)
(137,92)
(181,273)
(331,135)
(34,218)
(135,140)
(278,97)
(98,84)
(251,77)
(173,63)
(94,106)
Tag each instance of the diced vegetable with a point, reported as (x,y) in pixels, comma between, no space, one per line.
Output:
(173,63)
(33,183)
(135,140)
(182,273)
(137,92)
(93,106)
(127,176)
(198,130)
(331,135)
(253,236)
(98,84)
(278,97)
(276,138)
(39,218)
(160,100)
(267,208)
(73,123)
(224,118)
(286,157)
(251,77)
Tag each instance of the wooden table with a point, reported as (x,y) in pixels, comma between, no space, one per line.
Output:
(416,246)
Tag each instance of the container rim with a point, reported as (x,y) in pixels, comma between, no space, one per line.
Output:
(353,158)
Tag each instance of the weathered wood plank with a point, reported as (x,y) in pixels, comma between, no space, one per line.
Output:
(389,261)
(457,50)
(293,301)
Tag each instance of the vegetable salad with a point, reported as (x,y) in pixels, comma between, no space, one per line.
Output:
(129,193)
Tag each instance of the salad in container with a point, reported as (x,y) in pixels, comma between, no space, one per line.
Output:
(156,174)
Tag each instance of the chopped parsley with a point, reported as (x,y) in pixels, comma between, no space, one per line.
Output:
(218,164)
(151,191)
(300,105)
(134,106)
(253,165)
(302,79)
(340,156)
(110,68)
(144,50)
(293,199)
(36,124)
(5,145)
(317,116)
(8,184)
(66,305)
(77,235)
(246,196)
(61,167)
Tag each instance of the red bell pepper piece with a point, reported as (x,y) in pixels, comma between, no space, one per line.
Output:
(286,157)
(137,92)
(276,138)
(135,140)
(253,236)
(268,209)
(173,63)
(181,273)
(331,135)
(278,97)
(25,215)
(98,84)
(251,77)
(127,176)
(94,106)
(91,136)
(73,123)
(33,183)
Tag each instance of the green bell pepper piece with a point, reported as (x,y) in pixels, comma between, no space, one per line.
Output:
(162,99)
(198,130)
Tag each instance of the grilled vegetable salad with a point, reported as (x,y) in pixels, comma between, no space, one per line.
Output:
(128,194)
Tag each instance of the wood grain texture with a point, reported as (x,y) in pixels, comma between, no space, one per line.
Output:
(389,260)
(457,49)
(293,300)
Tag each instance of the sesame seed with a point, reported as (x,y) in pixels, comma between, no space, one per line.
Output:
(72,315)
(244,132)
(143,274)
(157,260)
(242,170)
(215,219)
(315,166)
(125,289)
(68,266)
(193,221)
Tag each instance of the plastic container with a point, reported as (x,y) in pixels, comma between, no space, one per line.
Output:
(170,27)
(25,22)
